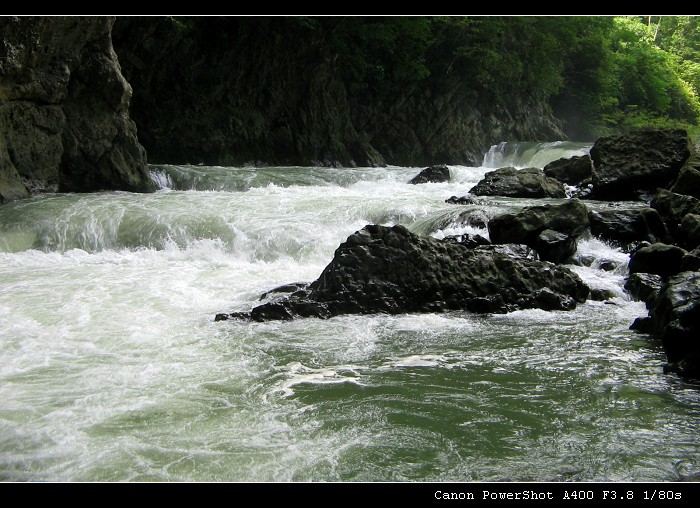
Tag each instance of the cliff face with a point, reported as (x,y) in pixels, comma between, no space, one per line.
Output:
(236,90)
(64,122)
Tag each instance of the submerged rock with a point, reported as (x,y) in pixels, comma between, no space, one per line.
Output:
(519,183)
(624,226)
(433,174)
(675,316)
(639,161)
(391,270)
(571,171)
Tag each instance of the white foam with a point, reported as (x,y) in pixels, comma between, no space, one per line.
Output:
(298,374)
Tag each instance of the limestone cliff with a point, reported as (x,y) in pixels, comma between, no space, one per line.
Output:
(64,110)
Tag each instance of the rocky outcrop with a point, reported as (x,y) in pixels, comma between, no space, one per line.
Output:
(624,166)
(675,320)
(569,219)
(64,109)
(391,270)
(435,174)
(625,226)
(571,171)
(658,258)
(519,183)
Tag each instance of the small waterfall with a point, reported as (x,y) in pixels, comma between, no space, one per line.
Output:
(161,179)
(532,154)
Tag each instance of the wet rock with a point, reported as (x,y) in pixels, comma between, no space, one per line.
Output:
(691,261)
(675,315)
(571,171)
(624,166)
(526,225)
(600,295)
(624,226)
(644,286)
(554,246)
(688,181)
(689,231)
(433,174)
(398,271)
(519,183)
(463,200)
(673,208)
(658,258)
(467,240)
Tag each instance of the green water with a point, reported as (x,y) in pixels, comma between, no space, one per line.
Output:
(112,368)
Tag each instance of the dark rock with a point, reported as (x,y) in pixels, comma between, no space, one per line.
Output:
(285,289)
(464,200)
(689,231)
(519,183)
(554,246)
(525,226)
(673,208)
(512,250)
(399,272)
(475,218)
(688,181)
(658,258)
(638,161)
(607,265)
(628,225)
(644,286)
(691,261)
(642,325)
(675,315)
(64,110)
(467,240)
(435,174)
(600,295)
(571,171)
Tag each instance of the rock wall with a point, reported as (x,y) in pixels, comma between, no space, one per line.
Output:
(64,110)
(233,91)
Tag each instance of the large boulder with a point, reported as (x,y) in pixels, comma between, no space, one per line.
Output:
(435,174)
(624,166)
(519,183)
(673,208)
(570,171)
(675,317)
(658,258)
(391,270)
(526,225)
(64,109)
(689,231)
(624,226)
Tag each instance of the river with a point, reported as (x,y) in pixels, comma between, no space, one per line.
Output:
(113,369)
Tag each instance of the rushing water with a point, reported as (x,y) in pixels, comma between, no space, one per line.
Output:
(113,369)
